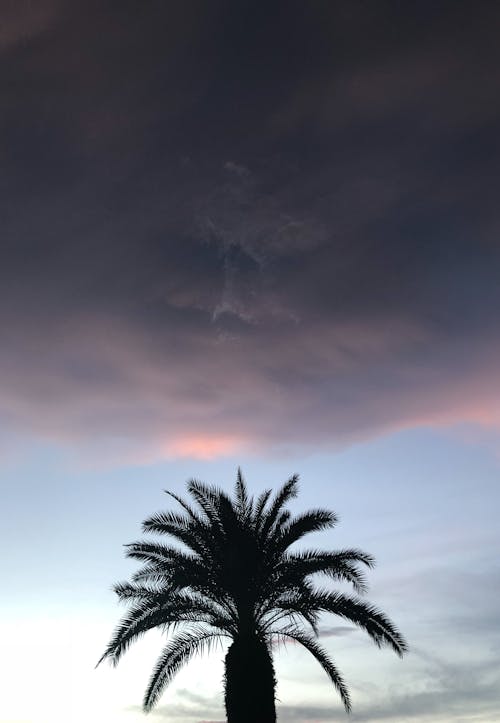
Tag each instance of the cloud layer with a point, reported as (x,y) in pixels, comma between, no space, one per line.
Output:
(225,230)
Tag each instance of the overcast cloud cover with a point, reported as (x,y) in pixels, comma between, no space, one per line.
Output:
(257,233)
(228,226)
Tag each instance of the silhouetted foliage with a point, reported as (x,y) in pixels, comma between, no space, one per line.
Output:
(237,578)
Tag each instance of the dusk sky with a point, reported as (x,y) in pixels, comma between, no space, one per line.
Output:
(263,234)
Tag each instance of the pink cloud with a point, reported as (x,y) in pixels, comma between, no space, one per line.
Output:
(111,389)
(203,446)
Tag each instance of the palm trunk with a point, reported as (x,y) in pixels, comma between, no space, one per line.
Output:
(249,682)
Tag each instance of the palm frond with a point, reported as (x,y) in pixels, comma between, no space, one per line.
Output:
(176,654)
(262,501)
(127,591)
(243,505)
(286,493)
(142,617)
(162,611)
(297,599)
(177,526)
(378,626)
(316,650)
(154,574)
(341,566)
(293,614)
(192,514)
(207,499)
(279,523)
(311,521)
(168,564)
(156,552)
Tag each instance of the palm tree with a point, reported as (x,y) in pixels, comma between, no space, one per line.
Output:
(236,577)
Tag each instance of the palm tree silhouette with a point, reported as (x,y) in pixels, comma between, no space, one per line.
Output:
(237,578)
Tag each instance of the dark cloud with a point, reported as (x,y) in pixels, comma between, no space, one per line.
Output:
(479,697)
(335,631)
(188,706)
(449,690)
(227,226)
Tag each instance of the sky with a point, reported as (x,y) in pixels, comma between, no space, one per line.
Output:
(256,234)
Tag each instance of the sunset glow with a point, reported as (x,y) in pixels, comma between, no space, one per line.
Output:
(203,447)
